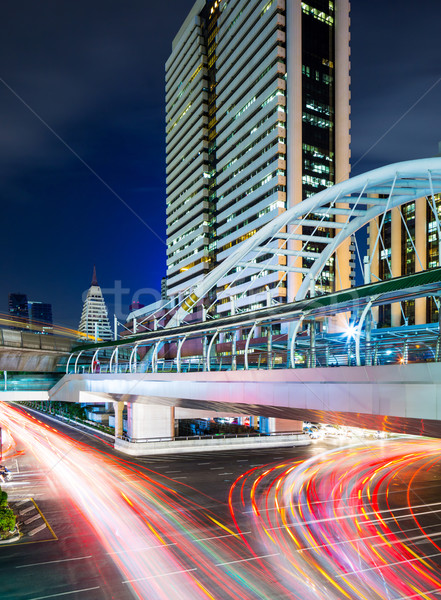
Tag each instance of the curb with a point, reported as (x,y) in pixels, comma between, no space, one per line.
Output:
(12,539)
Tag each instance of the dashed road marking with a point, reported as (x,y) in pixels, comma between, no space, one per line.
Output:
(26,510)
(32,519)
(37,529)
(161,575)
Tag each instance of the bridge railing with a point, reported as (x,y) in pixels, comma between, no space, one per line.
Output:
(385,347)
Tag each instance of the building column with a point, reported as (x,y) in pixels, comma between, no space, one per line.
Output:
(396,266)
(342,133)
(118,407)
(421,248)
(294,126)
(147,421)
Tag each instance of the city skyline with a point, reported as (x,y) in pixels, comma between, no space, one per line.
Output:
(98,84)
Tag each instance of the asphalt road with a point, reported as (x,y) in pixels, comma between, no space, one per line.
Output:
(220,524)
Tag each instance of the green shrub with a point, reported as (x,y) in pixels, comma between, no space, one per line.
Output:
(3,499)
(7,520)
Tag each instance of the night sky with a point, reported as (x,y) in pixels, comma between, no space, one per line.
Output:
(82,152)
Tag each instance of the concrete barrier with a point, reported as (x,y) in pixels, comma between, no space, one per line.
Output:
(204,445)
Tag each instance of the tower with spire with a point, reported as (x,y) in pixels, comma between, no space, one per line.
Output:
(94,320)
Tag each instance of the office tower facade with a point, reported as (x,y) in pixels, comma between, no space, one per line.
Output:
(40,313)
(94,320)
(257,119)
(18,306)
(408,244)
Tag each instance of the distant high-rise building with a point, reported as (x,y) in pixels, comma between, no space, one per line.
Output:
(94,321)
(40,312)
(257,120)
(40,315)
(18,306)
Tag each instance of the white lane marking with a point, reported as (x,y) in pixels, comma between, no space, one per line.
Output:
(161,575)
(182,477)
(225,473)
(38,529)
(32,519)
(331,519)
(233,562)
(216,468)
(26,510)
(412,539)
(66,593)
(419,594)
(398,562)
(368,537)
(142,549)
(51,562)
(18,468)
(172,471)
(207,463)
(219,537)
(243,460)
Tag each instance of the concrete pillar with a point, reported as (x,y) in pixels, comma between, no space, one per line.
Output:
(118,407)
(312,348)
(146,421)
(375,256)
(421,248)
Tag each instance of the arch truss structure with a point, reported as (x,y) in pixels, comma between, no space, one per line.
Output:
(323,221)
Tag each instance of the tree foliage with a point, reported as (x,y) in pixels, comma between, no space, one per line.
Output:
(7,520)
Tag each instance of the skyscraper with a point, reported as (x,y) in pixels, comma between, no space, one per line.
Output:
(257,119)
(18,306)
(40,313)
(94,321)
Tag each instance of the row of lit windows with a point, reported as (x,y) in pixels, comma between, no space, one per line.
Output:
(251,86)
(255,142)
(252,27)
(315,74)
(321,108)
(192,77)
(317,14)
(254,158)
(265,103)
(248,133)
(267,179)
(251,175)
(316,181)
(318,152)
(317,121)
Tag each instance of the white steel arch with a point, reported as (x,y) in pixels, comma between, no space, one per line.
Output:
(334,214)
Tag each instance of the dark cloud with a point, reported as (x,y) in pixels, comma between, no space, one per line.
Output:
(94,72)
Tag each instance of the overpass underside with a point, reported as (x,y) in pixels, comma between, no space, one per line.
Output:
(394,398)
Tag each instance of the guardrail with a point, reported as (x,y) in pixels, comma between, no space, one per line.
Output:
(11,338)
(218,436)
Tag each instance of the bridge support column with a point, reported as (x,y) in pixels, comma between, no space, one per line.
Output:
(118,407)
(147,421)
(312,350)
